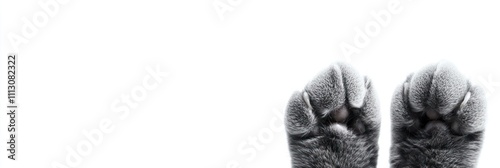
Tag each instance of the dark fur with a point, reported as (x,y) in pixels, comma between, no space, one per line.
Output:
(454,141)
(437,121)
(314,138)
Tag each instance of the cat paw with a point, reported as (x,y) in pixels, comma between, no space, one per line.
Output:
(334,122)
(437,119)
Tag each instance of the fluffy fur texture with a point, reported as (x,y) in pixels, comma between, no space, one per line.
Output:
(334,122)
(437,120)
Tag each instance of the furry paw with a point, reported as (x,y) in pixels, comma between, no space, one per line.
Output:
(437,119)
(334,122)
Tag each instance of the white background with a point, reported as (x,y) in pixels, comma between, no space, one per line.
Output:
(227,78)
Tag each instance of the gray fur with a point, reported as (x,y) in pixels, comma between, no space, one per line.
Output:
(320,139)
(437,120)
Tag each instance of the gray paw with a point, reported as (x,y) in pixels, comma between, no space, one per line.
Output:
(334,122)
(437,119)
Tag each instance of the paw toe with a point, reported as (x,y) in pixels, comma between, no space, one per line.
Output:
(299,118)
(471,115)
(439,87)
